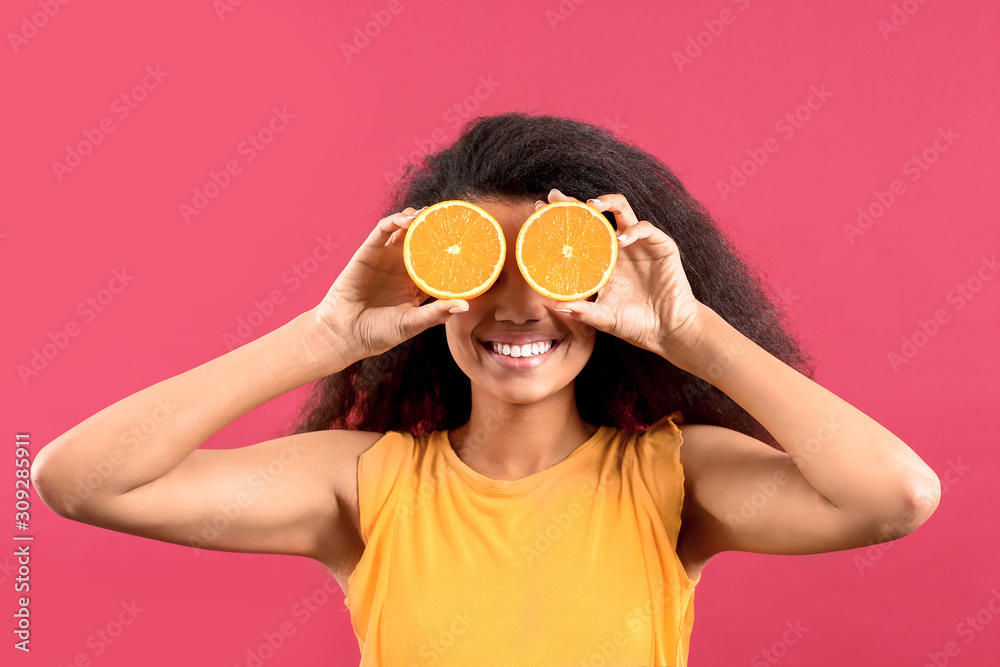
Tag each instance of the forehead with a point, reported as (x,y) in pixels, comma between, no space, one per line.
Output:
(510,214)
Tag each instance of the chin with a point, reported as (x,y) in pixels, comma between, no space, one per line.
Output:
(528,395)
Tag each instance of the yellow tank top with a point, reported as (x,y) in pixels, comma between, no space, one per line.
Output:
(573,566)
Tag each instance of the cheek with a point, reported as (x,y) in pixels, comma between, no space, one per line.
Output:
(460,340)
(584,339)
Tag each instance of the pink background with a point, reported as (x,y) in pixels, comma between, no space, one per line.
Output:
(853,301)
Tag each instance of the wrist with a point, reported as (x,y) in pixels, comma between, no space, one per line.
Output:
(326,350)
(705,347)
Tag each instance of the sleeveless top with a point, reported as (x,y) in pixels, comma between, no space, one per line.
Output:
(574,565)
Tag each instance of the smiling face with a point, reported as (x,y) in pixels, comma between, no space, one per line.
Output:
(512,314)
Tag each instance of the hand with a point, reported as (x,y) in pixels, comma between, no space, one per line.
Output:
(647,301)
(374,305)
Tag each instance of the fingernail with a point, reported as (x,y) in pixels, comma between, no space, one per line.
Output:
(560,310)
(456,309)
(622,238)
(539,202)
(593,201)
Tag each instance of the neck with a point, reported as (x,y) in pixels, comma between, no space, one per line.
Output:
(509,441)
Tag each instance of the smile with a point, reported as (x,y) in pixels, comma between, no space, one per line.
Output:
(521,356)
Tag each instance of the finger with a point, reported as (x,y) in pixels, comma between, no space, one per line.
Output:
(417,319)
(396,237)
(596,315)
(556,195)
(540,203)
(649,233)
(618,205)
(392,227)
(387,226)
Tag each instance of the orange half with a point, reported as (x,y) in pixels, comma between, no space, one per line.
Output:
(566,250)
(454,250)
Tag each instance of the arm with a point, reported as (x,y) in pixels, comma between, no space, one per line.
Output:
(135,466)
(844,480)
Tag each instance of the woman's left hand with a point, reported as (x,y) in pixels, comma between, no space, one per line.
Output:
(647,301)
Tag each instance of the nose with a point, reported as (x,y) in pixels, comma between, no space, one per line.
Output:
(514,300)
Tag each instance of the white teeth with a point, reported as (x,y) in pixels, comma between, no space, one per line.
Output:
(528,350)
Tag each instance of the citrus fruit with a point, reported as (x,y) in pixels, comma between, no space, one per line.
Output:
(566,250)
(454,250)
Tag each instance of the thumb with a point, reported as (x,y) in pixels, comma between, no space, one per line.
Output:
(596,315)
(415,320)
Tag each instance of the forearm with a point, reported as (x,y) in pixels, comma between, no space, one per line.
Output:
(143,436)
(849,458)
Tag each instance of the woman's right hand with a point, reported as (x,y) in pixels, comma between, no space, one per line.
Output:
(374,305)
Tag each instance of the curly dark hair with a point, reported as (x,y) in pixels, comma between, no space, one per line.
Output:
(417,386)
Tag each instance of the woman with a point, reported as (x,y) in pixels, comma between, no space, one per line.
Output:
(476,507)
